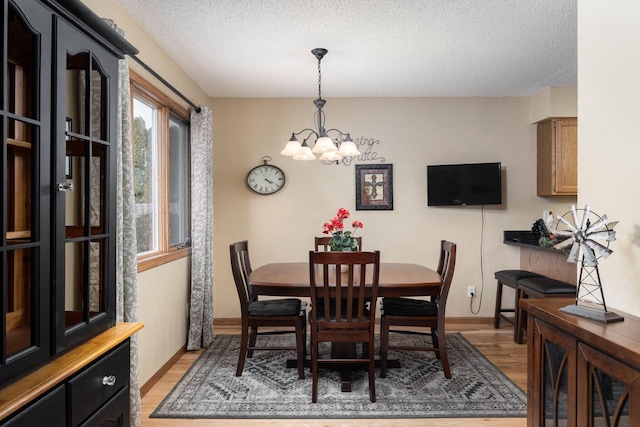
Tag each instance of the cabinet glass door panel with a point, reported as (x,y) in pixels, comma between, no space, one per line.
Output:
(84,264)
(84,167)
(76,89)
(554,368)
(75,196)
(555,383)
(75,276)
(610,394)
(86,89)
(610,400)
(18,302)
(98,108)
(24,297)
(19,185)
(96,278)
(96,187)
(22,47)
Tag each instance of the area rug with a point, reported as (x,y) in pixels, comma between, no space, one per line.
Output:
(267,389)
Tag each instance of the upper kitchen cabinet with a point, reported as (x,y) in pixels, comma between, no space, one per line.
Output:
(558,157)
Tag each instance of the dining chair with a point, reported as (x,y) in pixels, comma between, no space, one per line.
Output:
(423,313)
(322,243)
(267,313)
(339,311)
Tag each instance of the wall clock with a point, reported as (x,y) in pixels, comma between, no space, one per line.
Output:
(266,179)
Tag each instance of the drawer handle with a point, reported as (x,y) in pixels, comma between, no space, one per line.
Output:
(109,380)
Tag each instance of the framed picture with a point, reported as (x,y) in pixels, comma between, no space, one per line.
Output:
(374,187)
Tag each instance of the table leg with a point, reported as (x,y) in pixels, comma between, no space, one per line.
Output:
(344,350)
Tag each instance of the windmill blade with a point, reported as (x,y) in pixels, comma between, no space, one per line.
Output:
(575,251)
(562,232)
(588,255)
(564,243)
(608,235)
(585,217)
(602,250)
(567,224)
(574,215)
(598,225)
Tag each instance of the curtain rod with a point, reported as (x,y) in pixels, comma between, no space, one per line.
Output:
(166,83)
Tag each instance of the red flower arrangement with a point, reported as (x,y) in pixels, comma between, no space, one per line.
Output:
(341,240)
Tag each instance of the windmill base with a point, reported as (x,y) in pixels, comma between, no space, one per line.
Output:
(592,313)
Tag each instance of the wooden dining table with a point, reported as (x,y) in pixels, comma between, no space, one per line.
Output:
(395,280)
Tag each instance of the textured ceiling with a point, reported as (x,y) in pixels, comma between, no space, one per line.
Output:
(377,48)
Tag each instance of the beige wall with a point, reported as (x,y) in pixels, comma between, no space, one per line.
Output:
(557,101)
(609,129)
(413,133)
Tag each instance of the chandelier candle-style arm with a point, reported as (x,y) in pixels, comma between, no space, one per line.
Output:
(330,149)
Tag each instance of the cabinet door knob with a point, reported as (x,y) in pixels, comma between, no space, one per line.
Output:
(65,186)
(109,380)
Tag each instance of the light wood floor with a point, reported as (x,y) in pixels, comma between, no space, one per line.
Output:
(497,345)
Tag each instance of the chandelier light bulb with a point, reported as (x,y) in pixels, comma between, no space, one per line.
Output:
(331,156)
(324,144)
(304,152)
(348,148)
(292,147)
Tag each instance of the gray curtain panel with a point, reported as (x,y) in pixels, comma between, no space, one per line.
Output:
(201,313)
(126,250)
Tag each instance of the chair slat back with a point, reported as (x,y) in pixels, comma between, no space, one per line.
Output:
(446,267)
(322,243)
(342,294)
(241,268)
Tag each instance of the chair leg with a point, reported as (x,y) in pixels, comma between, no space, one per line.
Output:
(372,373)
(442,351)
(253,335)
(244,340)
(384,346)
(300,345)
(434,341)
(496,315)
(314,368)
(517,335)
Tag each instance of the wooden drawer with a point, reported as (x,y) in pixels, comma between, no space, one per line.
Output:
(49,410)
(114,413)
(91,389)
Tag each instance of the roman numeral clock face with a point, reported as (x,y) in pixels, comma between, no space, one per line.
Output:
(266,179)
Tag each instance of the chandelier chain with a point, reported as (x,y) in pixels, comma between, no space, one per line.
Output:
(319,80)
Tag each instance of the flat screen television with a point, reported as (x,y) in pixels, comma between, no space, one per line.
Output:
(464,184)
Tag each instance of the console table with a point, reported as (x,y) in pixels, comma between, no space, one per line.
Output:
(580,372)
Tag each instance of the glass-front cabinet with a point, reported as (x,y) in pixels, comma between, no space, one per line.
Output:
(84,196)
(57,180)
(25,239)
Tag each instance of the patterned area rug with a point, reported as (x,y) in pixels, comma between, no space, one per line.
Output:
(267,389)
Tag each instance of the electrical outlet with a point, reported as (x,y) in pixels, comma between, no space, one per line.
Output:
(471,291)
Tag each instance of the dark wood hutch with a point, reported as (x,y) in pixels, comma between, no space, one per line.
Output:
(58,241)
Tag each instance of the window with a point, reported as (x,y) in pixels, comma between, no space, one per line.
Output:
(161,175)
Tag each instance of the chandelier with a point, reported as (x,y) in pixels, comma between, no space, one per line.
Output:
(330,149)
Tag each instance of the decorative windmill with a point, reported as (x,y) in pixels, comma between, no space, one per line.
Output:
(590,236)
